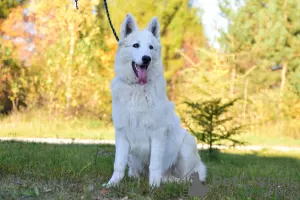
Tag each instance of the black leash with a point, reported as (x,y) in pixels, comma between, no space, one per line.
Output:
(111,26)
(108,17)
(76,3)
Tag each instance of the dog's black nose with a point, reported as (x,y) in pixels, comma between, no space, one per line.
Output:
(146,59)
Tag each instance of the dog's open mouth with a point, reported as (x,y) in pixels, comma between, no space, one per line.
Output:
(141,72)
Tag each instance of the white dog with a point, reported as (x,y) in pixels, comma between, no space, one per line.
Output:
(147,131)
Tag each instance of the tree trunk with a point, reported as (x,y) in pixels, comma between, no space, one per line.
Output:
(233,73)
(245,98)
(283,75)
(210,145)
(15,105)
(211,134)
(69,73)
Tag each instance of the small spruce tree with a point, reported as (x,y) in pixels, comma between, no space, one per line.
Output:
(208,121)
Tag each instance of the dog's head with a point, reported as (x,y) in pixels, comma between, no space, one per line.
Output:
(138,58)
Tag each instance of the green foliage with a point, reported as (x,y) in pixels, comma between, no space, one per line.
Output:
(13,85)
(209,122)
(6,5)
(71,68)
(295,81)
(262,34)
(268,31)
(73,65)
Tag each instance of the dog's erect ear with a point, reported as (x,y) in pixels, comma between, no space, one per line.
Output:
(128,26)
(153,27)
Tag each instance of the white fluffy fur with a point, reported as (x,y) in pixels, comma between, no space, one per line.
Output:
(147,130)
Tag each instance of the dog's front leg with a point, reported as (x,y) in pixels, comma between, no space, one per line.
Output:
(121,158)
(156,159)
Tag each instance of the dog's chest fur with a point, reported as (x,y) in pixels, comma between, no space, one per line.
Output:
(141,111)
(140,106)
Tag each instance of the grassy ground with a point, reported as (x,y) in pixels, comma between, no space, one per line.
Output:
(40,124)
(268,140)
(107,133)
(93,129)
(45,171)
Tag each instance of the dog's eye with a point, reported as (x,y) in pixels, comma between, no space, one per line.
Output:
(136,45)
(151,47)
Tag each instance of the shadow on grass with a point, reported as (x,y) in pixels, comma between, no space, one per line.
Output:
(51,171)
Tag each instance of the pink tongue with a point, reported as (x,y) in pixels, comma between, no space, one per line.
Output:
(142,75)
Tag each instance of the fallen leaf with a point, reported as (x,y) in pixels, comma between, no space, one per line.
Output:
(104,191)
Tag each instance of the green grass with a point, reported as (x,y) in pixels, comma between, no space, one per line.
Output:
(47,171)
(268,140)
(23,131)
(107,133)
(39,124)
(82,131)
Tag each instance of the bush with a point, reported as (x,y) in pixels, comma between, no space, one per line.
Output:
(209,122)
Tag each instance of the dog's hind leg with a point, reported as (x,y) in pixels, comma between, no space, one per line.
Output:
(201,169)
(169,176)
(189,160)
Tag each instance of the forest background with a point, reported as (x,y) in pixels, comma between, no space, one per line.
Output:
(56,64)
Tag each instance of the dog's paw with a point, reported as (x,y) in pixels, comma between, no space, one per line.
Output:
(170,179)
(155,180)
(115,179)
(105,185)
(110,184)
(154,184)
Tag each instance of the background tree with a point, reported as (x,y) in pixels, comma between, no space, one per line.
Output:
(13,86)
(265,35)
(267,32)
(6,5)
(66,50)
